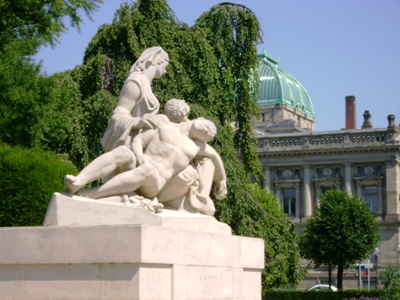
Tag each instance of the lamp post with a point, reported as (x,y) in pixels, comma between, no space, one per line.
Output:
(376,252)
(398,252)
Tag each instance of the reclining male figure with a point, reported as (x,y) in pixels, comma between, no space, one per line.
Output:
(167,151)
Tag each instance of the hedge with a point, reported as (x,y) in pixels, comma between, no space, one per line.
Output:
(28,180)
(323,295)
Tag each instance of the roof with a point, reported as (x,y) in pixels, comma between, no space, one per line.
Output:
(278,87)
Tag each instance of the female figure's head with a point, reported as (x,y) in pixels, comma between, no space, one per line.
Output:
(151,57)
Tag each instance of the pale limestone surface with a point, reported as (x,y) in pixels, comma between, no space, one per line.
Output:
(127,262)
(136,104)
(65,210)
(95,250)
(161,153)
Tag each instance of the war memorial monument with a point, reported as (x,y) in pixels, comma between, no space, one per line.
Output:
(148,231)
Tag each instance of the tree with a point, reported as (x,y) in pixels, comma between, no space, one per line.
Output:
(37,22)
(390,278)
(213,66)
(19,96)
(341,232)
(281,241)
(24,27)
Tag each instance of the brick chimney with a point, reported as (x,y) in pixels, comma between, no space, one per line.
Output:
(351,122)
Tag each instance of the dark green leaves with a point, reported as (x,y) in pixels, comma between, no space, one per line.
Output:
(213,66)
(341,232)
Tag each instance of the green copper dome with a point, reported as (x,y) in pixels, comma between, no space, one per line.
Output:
(278,87)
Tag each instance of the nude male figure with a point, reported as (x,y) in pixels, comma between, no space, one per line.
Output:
(167,152)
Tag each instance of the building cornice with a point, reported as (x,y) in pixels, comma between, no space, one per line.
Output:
(333,142)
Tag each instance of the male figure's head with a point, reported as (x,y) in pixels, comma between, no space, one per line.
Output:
(203,130)
(176,110)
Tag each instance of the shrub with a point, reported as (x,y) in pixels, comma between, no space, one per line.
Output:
(390,279)
(356,294)
(28,180)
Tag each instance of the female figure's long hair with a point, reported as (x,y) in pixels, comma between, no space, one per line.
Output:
(149,57)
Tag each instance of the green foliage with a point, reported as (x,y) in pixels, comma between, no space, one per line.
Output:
(341,232)
(324,295)
(29,178)
(70,123)
(234,47)
(213,66)
(213,70)
(390,279)
(39,22)
(260,216)
(35,111)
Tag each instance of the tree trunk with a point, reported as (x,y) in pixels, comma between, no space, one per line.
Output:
(330,274)
(340,276)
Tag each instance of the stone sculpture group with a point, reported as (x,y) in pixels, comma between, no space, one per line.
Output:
(107,242)
(154,160)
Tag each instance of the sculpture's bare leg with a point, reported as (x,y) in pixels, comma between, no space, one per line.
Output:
(102,166)
(123,183)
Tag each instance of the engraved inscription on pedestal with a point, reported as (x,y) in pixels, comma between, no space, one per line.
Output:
(209,282)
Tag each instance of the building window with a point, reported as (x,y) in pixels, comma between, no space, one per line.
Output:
(325,189)
(371,198)
(289,202)
(372,284)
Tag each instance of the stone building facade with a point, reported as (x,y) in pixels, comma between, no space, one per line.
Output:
(300,164)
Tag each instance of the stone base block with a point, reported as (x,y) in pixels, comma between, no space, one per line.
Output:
(127,262)
(65,210)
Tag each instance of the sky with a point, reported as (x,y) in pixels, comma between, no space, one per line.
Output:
(335,48)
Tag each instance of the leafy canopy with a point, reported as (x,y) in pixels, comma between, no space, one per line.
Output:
(40,22)
(213,66)
(24,26)
(341,232)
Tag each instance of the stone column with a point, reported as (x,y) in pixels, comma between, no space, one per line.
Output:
(347,179)
(268,178)
(307,191)
(297,202)
(380,201)
(279,196)
(392,189)
(318,192)
(359,194)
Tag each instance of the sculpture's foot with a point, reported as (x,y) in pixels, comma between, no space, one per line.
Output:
(72,184)
(138,201)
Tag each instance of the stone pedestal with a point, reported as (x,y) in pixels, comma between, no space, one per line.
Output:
(128,261)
